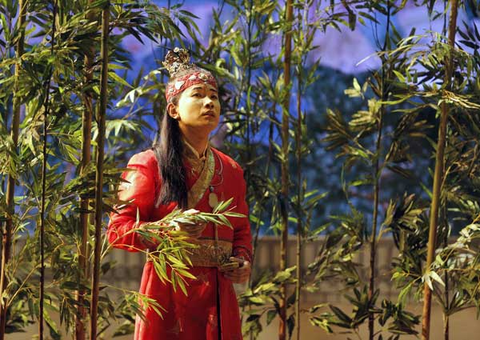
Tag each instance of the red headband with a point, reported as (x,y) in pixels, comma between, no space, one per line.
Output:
(198,76)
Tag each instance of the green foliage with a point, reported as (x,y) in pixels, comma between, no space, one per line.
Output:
(77,35)
(382,139)
(406,90)
(263,298)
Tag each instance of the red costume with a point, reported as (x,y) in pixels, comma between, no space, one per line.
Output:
(210,311)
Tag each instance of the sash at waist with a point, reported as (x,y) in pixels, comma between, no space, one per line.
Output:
(210,253)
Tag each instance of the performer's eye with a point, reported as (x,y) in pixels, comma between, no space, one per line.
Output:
(214,97)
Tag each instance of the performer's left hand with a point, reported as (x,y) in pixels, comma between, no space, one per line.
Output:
(239,274)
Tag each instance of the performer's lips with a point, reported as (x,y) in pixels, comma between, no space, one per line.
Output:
(209,113)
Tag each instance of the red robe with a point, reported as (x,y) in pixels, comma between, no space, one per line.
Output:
(211,298)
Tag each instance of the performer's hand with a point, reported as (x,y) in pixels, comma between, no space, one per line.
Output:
(193,230)
(237,274)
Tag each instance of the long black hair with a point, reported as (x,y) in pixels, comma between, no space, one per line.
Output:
(169,153)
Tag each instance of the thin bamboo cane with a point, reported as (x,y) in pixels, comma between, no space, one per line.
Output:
(282,333)
(446,309)
(373,240)
(446,326)
(10,194)
(84,202)
(438,176)
(44,181)
(101,117)
(298,285)
(376,186)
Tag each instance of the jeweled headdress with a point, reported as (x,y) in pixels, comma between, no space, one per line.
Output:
(185,74)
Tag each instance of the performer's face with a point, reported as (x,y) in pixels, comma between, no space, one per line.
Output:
(198,107)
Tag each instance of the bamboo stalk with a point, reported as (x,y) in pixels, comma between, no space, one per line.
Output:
(376,186)
(84,202)
(10,194)
(373,240)
(446,326)
(446,309)
(438,176)
(101,117)
(248,124)
(44,181)
(298,285)
(284,168)
(249,79)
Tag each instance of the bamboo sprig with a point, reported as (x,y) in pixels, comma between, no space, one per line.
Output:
(172,245)
(193,216)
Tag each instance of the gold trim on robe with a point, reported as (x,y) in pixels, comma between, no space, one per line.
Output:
(197,190)
(210,253)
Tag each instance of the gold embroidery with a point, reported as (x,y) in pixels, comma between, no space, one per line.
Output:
(210,253)
(198,189)
(196,160)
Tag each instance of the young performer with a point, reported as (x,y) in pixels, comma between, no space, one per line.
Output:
(184,171)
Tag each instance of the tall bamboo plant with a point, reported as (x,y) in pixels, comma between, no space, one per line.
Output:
(46,118)
(101,118)
(439,167)
(305,201)
(63,73)
(263,298)
(284,206)
(455,200)
(366,146)
(87,116)
(412,97)
(453,197)
(7,229)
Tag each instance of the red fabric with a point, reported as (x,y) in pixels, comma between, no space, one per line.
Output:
(196,76)
(194,316)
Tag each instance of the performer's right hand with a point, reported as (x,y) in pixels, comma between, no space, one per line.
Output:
(193,230)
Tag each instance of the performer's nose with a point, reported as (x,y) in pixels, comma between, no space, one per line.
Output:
(209,103)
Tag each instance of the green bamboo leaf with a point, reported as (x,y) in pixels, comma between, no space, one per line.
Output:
(341,315)
(427,280)
(52,326)
(161,271)
(118,79)
(271,314)
(126,328)
(437,278)
(99,4)
(284,275)
(402,296)
(222,206)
